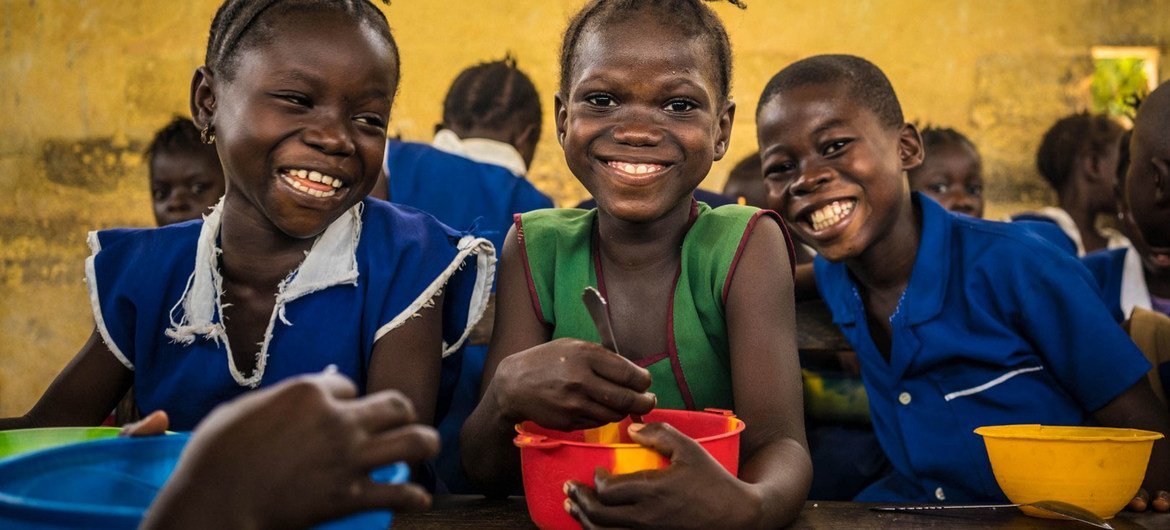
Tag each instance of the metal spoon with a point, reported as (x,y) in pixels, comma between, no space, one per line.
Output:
(1063,509)
(599,310)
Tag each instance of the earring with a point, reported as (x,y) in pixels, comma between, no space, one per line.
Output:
(207,135)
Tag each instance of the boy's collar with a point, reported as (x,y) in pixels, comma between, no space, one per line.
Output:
(481,150)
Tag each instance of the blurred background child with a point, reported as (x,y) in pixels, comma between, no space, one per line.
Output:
(1078,157)
(951,172)
(186,179)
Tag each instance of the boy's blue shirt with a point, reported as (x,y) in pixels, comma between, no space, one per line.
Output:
(996,326)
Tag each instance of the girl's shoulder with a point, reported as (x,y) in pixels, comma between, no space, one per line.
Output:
(155,244)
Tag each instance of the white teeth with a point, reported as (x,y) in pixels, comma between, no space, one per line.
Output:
(314,176)
(300,173)
(305,189)
(830,214)
(636,169)
(327,180)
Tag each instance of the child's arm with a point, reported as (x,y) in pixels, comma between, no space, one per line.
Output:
(1139,408)
(776,470)
(560,384)
(409,358)
(83,393)
(805,283)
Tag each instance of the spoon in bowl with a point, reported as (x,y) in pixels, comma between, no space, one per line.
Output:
(599,311)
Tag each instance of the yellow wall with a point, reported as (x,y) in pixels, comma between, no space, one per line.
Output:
(83,85)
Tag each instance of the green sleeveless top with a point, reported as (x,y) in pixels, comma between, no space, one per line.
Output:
(695,371)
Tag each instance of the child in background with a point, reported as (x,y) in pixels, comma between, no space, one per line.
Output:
(186,179)
(957,322)
(746,182)
(701,305)
(492,115)
(951,173)
(1078,158)
(295,269)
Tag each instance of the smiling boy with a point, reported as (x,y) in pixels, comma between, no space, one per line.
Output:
(957,322)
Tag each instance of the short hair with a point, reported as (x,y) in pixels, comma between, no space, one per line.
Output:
(492,95)
(1071,137)
(864,81)
(748,169)
(241,24)
(180,135)
(692,17)
(933,135)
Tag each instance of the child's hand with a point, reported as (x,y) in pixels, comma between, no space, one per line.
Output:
(154,424)
(292,456)
(571,384)
(1141,502)
(693,492)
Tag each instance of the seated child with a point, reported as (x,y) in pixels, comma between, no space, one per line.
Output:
(295,269)
(277,484)
(746,182)
(186,179)
(1078,158)
(492,115)
(957,322)
(642,112)
(951,172)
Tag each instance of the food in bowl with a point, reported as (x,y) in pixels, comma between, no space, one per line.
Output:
(1097,468)
(549,458)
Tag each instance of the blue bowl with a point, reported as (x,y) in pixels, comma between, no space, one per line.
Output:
(108,484)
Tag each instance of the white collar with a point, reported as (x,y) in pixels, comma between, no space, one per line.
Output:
(481,150)
(332,260)
(1134,291)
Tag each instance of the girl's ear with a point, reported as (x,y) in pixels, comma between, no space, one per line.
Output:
(561,113)
(910,149)
(726,119)
(202,97)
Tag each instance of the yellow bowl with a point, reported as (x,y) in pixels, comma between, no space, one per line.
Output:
(1097,468)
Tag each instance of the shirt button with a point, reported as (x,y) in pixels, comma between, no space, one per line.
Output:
(904,398)
(940,494)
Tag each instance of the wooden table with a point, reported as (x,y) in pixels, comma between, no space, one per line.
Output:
(477,512)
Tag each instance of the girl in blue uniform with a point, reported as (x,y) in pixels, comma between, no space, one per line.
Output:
(294,269)
(643,111)
(957,322)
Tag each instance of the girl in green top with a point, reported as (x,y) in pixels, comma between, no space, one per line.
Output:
(701,299)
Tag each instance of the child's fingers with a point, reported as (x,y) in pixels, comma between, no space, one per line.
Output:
(666,440)
(411,443)
(335,384)
(382,410)
(620,399)
(583,505)
(156,422)
(1161,502)
(1140,501)
(370,495)
(619,370)
(628,488)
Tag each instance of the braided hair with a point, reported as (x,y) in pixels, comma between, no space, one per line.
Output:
(692,17)
(180,135)
(494,95)
(241,24)
(933,135)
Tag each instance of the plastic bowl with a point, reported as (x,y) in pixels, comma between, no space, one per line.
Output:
(20,441)
(1097,468)
(549,458)
(109,484)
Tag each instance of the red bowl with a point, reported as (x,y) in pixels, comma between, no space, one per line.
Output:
(549,458)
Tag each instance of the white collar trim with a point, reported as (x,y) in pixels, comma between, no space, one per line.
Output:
(332,260)
(481,150)
(1134,291)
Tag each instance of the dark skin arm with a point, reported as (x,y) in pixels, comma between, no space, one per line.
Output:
(83,393)
(805,283)
(564,384)
(1139,408)
(775,471)
(409,358)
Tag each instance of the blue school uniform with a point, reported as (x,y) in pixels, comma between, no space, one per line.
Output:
(996,326)
(460,192)
(155,297)
(1122,280)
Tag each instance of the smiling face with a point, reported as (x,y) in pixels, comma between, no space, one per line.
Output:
(1145,204)
(301,125)
(643,119)
(834,171)
(952,175)
(184,184)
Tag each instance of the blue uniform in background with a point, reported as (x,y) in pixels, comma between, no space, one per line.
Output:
(997,326)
